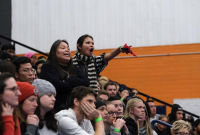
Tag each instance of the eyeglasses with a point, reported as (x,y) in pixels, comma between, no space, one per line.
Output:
(181,133)
(14,89)
(112,113)
(32,70)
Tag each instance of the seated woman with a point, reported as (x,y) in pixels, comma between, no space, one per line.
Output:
(135,109)
(9,94)
(60,71)
(25,111)
(145,124)
(161,129)
(88,63)
(45,111)
(181,127)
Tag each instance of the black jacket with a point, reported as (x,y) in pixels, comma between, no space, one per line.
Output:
(132,126)
(164,132)
(63,87)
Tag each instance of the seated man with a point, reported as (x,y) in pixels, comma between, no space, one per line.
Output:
(111,88)
(9,49)
(103,95)
(76,120)
(118,106)
(112,125)
(24,70)
(152,106)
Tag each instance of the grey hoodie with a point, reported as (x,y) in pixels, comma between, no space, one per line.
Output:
(68,125)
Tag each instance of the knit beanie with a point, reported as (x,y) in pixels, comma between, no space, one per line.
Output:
(122,87)
(196,123)
(99,103)
(27,90)
(28,55)
(44,87)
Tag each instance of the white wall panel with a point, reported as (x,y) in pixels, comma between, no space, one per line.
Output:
(111,22)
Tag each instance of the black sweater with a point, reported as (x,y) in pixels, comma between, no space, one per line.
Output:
(132,126)
(63,87)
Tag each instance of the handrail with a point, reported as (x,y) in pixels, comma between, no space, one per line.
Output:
(23,45)
(155,99)
(160,122)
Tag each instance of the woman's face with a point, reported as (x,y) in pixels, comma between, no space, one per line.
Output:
(63,53)
(182,131)
(102,110)
(30,105)
(139,110)
(33,59)
(11,92)
(87,48)
(47,102)
(160,126)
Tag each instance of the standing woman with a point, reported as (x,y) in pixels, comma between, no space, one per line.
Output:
(88,63)
(135,109)
(45,111)
(59,71)
(25,111)
(9,94)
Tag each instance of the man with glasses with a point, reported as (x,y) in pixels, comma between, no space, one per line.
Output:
(152,106)
(118,106)
(112,125)
(24,70)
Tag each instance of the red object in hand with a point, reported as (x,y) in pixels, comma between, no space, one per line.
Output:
(127,50)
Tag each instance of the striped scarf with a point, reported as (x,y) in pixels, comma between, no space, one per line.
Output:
(92,75)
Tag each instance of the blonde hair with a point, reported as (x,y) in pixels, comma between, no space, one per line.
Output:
(131,104)
(180,124)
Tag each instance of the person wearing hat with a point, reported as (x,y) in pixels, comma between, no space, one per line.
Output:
(45,109)
(101,107)
(9,94)
(124,93)
(32,57)
(196,127)
(25,111)
(176,113)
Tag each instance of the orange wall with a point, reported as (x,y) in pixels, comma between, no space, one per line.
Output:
(162,77)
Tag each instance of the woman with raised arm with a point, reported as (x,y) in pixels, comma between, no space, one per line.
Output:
(90,65)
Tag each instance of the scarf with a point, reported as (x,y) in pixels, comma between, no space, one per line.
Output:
(92,75)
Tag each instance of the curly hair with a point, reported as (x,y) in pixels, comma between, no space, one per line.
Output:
(180,124)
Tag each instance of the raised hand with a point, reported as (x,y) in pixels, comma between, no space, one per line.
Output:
(90,112)
(32,119)
(7,109)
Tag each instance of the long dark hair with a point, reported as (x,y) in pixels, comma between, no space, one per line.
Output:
(3,78)
(52,58)
(51,122)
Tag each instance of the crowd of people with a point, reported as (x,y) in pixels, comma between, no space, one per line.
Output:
(64,95)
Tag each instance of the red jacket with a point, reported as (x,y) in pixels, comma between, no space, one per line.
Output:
(9,126)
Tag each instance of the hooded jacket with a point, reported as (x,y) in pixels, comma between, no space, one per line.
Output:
(68,124)
(172,115)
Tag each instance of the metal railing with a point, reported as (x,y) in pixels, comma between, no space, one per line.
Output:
(160,122)
(26,46)
(145,95)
